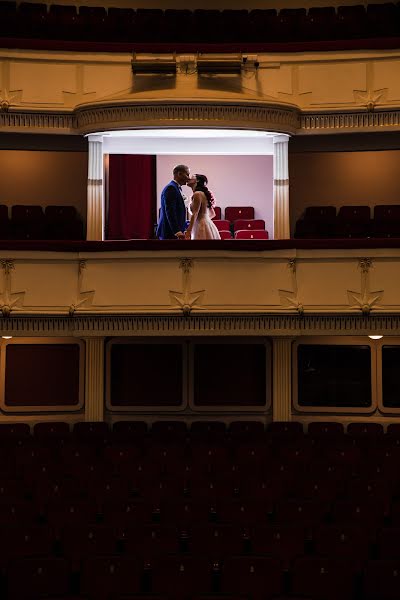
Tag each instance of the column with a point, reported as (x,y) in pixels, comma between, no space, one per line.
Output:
(282,379)
(94,379)
(281,188)
(95,193)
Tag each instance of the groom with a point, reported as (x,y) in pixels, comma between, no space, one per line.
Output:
(172,221)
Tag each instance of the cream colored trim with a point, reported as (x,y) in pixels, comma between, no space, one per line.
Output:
(342,121)
(272,117)
(334,340)
(41,409)
(385,341)
(200,325)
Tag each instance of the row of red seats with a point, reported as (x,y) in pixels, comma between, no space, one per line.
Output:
(31,222)
(200,578)
(350,221)
(244,229)
(208,430)
(36,20)
(285,542)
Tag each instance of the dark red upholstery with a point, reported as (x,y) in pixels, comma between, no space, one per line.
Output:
(251,234)
(233,213)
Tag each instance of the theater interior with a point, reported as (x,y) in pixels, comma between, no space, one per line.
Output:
(200,419)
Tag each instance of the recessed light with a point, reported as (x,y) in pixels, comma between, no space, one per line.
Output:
(7,337)
(375,337)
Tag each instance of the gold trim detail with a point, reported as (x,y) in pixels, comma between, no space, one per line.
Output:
(343,121)
(197,325)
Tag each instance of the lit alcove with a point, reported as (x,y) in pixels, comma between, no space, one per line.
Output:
(138,163)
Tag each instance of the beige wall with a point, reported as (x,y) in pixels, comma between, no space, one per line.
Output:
(338,178)
(37,177)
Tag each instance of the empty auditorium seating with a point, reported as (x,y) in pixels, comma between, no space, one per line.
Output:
(200,511)
(65,22)
(225,234)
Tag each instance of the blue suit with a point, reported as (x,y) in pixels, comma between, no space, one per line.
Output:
(172,212)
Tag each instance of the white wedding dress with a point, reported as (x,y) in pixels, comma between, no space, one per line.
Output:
(203,227)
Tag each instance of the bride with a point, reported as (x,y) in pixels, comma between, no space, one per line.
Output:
(201,226)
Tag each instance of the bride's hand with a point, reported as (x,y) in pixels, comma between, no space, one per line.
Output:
(187,235)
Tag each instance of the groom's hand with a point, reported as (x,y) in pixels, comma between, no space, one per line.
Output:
(180,235)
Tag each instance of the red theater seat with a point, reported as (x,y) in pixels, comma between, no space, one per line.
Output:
(263,24)
(233,213)
(63,21)
(27,222)
(253,234)
(217,210)
(110,576)
(285,542)
(342,541)
(129,431)
(262,577)
(225,235)
(181,577)
(120,22)
(317,222)
(386,221)
(222,225)
(93,22)
(253,224)
(4,220)
(324,578)
(381,580)
(63,223)
(8,19)
(383,19)
(321,22)
(352,22)
(353,221)
(32,19)
(32,578)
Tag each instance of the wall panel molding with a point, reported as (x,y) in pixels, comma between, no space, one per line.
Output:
(204,325)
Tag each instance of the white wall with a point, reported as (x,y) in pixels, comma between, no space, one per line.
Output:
(234,181)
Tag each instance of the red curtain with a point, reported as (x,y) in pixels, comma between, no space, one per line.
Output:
(132,197)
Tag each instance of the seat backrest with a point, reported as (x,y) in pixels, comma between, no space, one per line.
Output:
(251,234)
(222,224)
(217,210)
(358,214)
(320,213)
(387,212)
(225,235)
(26,213)
(241,224)
(60,213)
(232,213)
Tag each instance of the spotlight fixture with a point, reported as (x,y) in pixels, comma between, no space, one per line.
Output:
(219,63)
(6,337)
(154,64)
(375,337)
